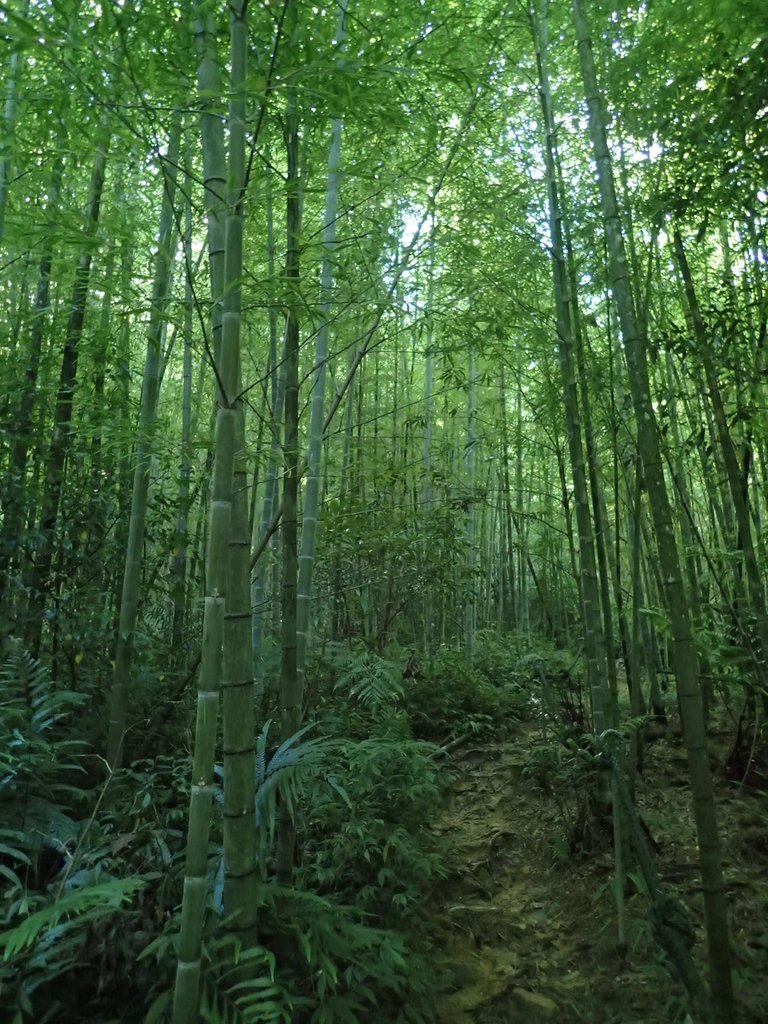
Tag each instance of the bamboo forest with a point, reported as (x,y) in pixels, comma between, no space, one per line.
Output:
(384,511)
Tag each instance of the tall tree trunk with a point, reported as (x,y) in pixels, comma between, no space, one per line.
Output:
(686,661)
(426,458)
(185,465)
(521,526)
(593,632)
(306,558)
(290,696)
(239,734)
(471,558)
(270,501)
(510,602)
(736,480)
(40,571)
(680,477)
(225,621)
(129,600)
(15,488)
(568,515)
(98,414)
(602,533)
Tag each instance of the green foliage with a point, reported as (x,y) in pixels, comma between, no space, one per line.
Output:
(373,682)
(369,859)
(240,987)
(373,847)
(86,904)
(350,938)
(277,776)
(344,966)
(453,698)
(320,961)
(567,772)
(502,659)
(281,778)
(64,893)
(406,562)
(36,758)
(427,95)
(368,855)
(38,762)
(356,691)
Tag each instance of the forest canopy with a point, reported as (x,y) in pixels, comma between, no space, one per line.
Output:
(377,379)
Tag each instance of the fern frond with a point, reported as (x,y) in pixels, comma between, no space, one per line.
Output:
(285,755)
(12,850)
(11,842)
(373,682)
(239,987)
(287,766)
(36,760)
(89,903)
(31,704)
(278,779)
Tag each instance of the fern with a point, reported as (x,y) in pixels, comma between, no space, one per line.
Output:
(373,682)
(350,937)
(46,934)
(31,704)
(353,967)
(36,766)
(239,986)
(278,779)
(89,904)
(34,756)
(280,776)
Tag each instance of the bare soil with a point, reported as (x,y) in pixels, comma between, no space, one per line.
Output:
(531,932)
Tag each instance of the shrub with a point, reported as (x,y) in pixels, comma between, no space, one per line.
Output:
(452,697)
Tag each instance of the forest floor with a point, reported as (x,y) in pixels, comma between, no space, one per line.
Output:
(531,932)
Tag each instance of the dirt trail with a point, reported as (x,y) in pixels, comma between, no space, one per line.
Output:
(533,940)
(503,926)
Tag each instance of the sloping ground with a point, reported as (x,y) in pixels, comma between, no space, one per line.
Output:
(532,937)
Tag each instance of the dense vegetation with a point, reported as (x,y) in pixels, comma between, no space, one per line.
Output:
(376,380)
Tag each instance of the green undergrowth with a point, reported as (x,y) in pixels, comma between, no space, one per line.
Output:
(93,870)
(92,866)
(507,681)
